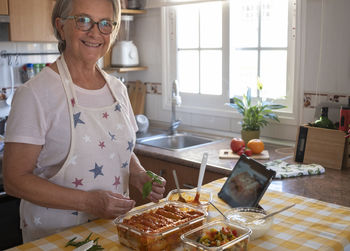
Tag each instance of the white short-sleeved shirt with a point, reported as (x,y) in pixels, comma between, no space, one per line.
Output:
(39,115)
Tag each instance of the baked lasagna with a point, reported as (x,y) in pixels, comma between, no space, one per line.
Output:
(158,227)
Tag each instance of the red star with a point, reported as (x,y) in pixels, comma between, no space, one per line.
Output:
(105,115)
(102,144)
(73,102)
(78,182)
(116,181)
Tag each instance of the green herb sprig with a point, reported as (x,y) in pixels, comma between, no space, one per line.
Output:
(74,243)
(147,187)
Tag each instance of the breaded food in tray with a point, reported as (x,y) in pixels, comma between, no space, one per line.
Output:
(159,226)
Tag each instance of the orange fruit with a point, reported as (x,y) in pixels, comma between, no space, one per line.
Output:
(256,145)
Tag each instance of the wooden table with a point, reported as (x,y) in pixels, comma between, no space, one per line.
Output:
(309,225)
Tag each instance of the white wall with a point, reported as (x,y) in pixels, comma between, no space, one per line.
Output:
(327,55)
(323,66)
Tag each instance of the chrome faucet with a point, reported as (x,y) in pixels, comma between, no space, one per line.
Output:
(175,100)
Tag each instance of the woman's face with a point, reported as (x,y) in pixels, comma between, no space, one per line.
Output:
(87,46)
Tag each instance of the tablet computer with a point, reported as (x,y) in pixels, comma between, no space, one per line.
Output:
(247,183)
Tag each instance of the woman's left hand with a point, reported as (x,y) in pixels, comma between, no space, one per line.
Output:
(158,189)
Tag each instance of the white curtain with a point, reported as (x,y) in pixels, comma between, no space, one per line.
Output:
(164,3)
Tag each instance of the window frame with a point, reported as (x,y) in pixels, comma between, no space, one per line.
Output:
(290,115)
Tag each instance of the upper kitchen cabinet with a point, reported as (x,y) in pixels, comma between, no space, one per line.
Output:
(30,20)
(4,9)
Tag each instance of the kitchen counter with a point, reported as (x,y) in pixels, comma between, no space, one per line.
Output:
(332,186)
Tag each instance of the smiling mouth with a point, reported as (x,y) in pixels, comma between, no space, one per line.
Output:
(94,45)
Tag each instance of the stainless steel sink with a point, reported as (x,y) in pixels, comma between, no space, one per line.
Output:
(175,142)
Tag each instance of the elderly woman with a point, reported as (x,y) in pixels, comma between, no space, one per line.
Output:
(71,132)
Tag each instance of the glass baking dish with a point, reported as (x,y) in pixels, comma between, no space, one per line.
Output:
(191,239)
(189,195)
(167,238)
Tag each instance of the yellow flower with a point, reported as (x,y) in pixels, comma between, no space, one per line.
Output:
(259,84)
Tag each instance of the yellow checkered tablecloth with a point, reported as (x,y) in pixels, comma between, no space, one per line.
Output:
(309,225)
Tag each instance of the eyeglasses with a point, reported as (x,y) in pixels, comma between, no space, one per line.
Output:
(85,23)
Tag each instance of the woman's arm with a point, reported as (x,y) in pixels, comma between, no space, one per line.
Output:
(138,177)
(18,165)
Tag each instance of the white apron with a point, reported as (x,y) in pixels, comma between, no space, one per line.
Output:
(102,141)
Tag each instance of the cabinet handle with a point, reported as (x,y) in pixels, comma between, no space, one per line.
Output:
(188,186)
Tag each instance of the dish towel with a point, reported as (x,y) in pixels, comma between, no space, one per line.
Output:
(284,170)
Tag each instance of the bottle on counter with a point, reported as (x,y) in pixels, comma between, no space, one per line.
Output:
(344,123)
(36,68)
(42,66)
(324,121)
(30,71)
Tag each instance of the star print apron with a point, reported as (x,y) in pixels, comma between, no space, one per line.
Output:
(102,141)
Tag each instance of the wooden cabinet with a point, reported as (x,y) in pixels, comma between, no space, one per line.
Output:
(187,176)
(4,10)
(30,20)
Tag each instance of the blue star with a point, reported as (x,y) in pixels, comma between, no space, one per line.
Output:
(125,164)
(97,170)
(77,119)
(131,144)
(112,136)
(117,107)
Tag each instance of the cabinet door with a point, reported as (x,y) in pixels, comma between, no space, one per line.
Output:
(30,20)
(4,7)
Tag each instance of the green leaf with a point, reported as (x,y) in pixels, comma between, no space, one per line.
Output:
(146,190)
(155,178)
(74,243)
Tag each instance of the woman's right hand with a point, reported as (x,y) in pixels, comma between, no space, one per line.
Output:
(107,205)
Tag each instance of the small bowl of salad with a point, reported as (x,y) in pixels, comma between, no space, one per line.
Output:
(217,235)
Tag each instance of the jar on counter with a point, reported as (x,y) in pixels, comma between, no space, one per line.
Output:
(30,71)
(136,4)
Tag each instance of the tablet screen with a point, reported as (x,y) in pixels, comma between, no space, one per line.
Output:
(247,183)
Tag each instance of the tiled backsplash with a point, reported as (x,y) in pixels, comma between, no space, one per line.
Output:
(313,102)
(154,88)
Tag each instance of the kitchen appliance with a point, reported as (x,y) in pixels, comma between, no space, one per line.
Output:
(136,4)
(124,52)
(142,123)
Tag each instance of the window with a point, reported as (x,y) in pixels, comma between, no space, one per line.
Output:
(199,48)
(259,46)
(218,49)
